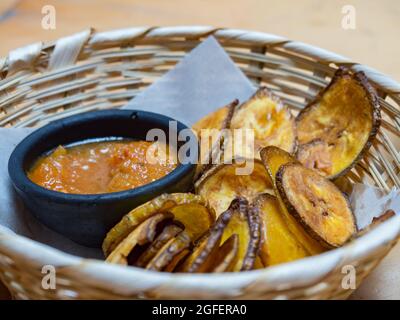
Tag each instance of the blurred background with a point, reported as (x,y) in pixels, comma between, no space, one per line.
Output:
(372,41)
(318,22)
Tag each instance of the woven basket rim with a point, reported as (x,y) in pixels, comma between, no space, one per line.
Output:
(103,38)
(287,273)
(226,282)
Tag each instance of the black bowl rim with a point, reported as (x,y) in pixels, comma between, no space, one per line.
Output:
(22,182)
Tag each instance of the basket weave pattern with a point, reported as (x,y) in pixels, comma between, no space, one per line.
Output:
(91,71)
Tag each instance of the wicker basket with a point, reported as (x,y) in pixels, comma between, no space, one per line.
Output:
(90,70)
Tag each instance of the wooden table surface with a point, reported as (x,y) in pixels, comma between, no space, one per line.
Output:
(374,42)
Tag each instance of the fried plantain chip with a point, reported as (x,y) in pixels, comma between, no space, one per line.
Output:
(143,234)
(177,260)
(189,209)
(315,155)
(270,120)
(168,233)
(226,254)
(170,252)
(200,259)
(273,158)
(245,223)
(209,130)
(203,254)
(238,221)
(316,203)
(259,264)
(222,183)
(279,245)
(218,119)
(344,184)
(344,119)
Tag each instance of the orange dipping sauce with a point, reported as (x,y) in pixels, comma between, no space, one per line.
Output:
(101,167)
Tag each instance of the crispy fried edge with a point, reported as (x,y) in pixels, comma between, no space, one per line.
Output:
(169,252)
(372,96)
(292,210)
(263,92)
(229,250)
(212,240)
(125,226)
(121,252)
(255,229)
(214,169)
(217,150)
(169,232)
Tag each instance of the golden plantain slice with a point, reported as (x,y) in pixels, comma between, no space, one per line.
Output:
(316,203)
(211,137)
(189,209)
(176,260)
(245,223)
(236,222)
(344,184)
(270,120)
(344,118)
(170,252)
(218,119)
(279,245)
(168,233)
(259,264)
(142,235)
(226,254)
(221,184)
(273,158)
(202,256)
(315,155)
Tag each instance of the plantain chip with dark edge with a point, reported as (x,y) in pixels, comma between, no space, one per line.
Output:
(218,119)
(210,132)
(338,127)
(171,253)
(245,223)
(222,183)
(226,254)
(270,120)
(315,155)
(202,256)
(169,232)
(140,236)
(191,210)
(178,258)
(316,203)
(232,243)
(273,158)
(279,244)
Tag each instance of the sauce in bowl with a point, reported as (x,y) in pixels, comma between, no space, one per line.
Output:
(102,166)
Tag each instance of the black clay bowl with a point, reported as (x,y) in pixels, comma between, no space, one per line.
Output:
(86,219)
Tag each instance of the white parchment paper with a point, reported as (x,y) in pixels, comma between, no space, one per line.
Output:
(203,81)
